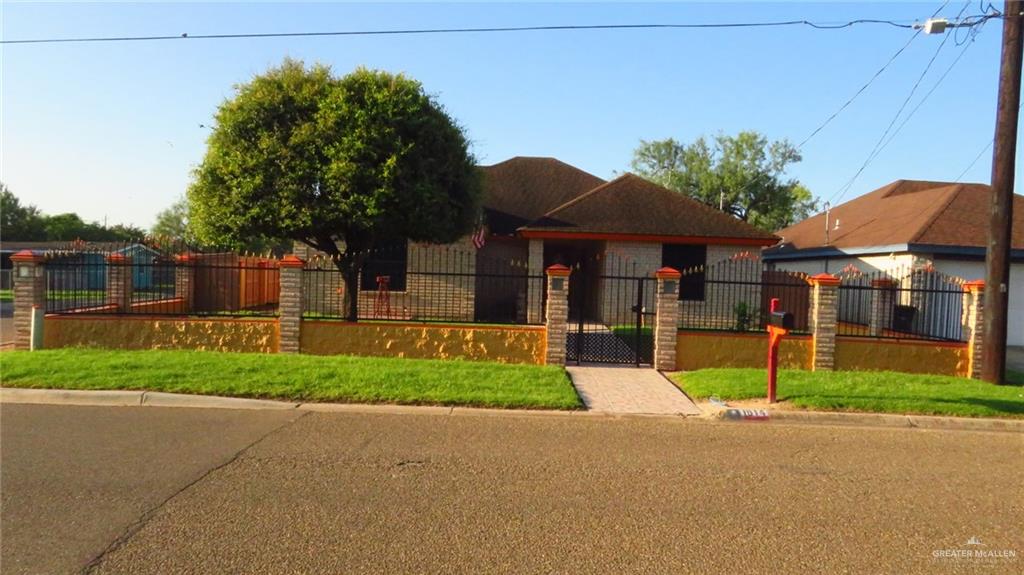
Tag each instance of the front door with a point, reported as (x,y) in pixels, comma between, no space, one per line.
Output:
(610,321)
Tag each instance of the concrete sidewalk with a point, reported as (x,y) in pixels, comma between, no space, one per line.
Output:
(622,389)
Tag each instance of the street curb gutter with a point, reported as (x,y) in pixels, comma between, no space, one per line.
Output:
(161,399)
(888,420)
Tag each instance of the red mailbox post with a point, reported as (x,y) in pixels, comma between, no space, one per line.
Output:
(779,324)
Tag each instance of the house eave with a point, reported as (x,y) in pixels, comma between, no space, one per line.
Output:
(653,238)
(966,252)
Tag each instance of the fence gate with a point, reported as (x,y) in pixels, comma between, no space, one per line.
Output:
(611,319)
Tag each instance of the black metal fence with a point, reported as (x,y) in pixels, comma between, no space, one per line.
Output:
(735,295)
(901,303)
(427,283)
(141,279)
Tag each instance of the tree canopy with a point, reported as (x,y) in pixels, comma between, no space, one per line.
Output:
(172,223)
(26,223)
(340,164)
(744,174)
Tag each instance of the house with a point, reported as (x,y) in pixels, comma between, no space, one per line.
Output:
(92,257)
(539,212)
(902,224)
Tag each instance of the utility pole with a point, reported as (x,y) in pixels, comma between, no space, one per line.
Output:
(997,248)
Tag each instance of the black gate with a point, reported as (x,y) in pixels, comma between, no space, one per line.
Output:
(611,319)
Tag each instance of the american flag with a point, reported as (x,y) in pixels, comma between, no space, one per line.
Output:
(479,236)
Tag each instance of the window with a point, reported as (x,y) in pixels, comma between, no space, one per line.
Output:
(389,262)
(683,257)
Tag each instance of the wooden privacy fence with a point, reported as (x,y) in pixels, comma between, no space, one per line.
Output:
(230,282)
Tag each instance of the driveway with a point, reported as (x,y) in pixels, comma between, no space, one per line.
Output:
(165,490)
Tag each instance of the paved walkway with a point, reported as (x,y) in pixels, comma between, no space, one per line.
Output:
(629,390)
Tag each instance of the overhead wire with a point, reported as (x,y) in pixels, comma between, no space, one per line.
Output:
(489,29)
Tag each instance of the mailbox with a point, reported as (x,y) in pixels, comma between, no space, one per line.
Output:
(783,319)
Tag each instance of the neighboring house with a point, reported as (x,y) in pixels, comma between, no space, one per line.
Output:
(93,256)
(539,212)
(903,224)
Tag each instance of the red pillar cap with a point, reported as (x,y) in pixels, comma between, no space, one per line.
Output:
(824,280)
(27,256)
(973,285)
(667,273)
(291,261)
(184,258)
(558,270)
(116,258)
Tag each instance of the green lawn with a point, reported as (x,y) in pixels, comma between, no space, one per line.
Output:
(295,377)
(870,391)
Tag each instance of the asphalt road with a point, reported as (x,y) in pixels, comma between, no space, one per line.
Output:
(171,490)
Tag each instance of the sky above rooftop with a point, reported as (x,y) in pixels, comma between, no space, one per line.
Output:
(112,130)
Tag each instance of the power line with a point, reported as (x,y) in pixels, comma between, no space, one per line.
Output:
(711,25)
(858,92)
(987,147)
(974,161)
(878,145)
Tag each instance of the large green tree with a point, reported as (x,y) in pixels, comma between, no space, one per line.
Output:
(172,223)
(340,164)
(17,221)
(26,223)
(745,175)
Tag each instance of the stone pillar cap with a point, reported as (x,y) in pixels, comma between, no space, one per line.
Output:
(823,280)
(27,256)
(973,285)
(883,282)
(291,261)
(558,270)
(668,273)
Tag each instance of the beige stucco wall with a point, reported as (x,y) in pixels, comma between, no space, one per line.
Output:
(900,355)
(701,350)
(127,332)
(484,343)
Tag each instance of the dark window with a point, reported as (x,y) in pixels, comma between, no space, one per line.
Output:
(684,257)
(389,262)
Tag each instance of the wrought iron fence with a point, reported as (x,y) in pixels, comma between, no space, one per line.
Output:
(734,295)
(426,283)
(142,279)
(914,302)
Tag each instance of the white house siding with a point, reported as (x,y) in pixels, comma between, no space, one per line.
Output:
(972,270)
(967,270)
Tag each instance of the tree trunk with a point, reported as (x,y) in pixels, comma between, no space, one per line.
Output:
(349,264)
(350,273)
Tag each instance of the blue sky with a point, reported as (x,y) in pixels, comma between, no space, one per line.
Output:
(111,131)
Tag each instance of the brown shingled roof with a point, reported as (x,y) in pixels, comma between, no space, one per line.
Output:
(631,205)
(907,212)
(522,189)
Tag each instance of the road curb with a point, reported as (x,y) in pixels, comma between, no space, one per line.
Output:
(163,399)
(71,397)
(883,420)
(778,416)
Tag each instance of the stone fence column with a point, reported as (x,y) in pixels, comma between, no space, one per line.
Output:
(119,282)
(557,313)
(666,318)
(185,279)
(29,292)
(974,326)
(824,319)
(290,305)
(883,298)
